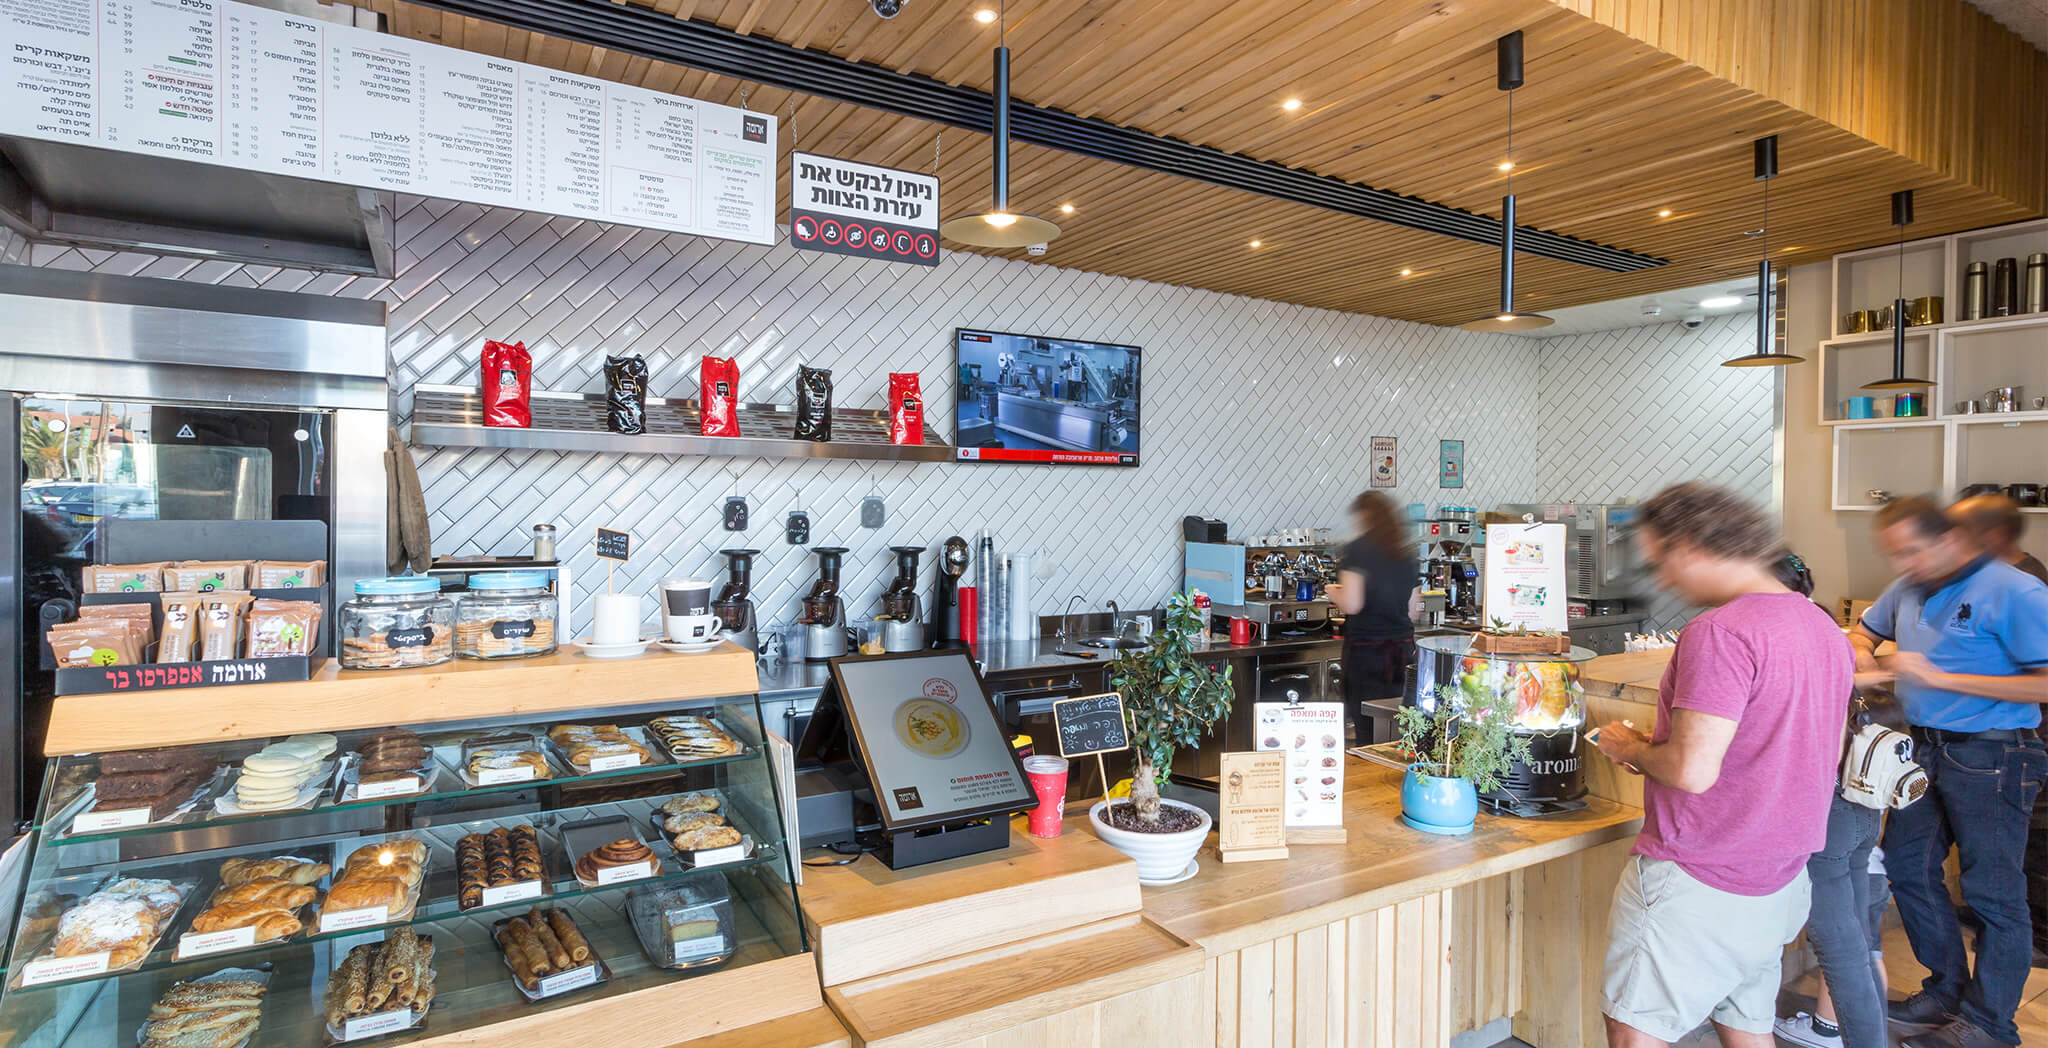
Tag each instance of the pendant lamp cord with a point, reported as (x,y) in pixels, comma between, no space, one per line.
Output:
(1511,140)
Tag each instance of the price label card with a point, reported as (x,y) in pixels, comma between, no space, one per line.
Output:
(695,948)
(632,872)
(102,821)
(614,761)
(614,545)
(505,893)
(370,791)
(376,1025)
(199,944)
(501,776)
(58,969)
(343,920)
(718,856)
(563,982)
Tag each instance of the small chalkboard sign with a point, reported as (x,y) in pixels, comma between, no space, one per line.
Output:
(613,545)
(1091,724)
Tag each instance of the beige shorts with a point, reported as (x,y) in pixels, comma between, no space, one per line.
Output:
(1683,952)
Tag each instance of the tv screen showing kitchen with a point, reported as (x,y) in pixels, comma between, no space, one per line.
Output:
(1028,398)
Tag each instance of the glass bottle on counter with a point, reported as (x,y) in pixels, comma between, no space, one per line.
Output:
(397,623)
(506,615)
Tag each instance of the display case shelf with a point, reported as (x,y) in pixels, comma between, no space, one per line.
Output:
(1895,456)
(1846,364)
(339,700)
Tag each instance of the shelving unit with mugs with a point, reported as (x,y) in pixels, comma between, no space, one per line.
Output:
(1978,327)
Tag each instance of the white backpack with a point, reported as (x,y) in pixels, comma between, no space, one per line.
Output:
(1879,771)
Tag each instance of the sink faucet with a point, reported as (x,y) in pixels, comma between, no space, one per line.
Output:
(1061,636)
(1116,620)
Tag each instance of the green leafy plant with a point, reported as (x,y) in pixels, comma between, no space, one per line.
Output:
(1170,699)
(1468,736)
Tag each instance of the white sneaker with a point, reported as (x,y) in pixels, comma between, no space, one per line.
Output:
(1799,1030)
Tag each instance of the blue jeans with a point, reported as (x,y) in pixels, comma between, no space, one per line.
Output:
(1981,795)
(1839,925)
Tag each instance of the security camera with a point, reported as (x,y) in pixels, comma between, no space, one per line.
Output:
(1036,250)
(888,8)
(1693,319)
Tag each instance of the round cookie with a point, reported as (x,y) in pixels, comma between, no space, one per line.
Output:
(321,742)
(276,764)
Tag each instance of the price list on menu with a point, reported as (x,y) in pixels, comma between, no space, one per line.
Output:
(225,83)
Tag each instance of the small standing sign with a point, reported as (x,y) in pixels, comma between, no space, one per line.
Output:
(612,547)
(1093,724)
(1251,811)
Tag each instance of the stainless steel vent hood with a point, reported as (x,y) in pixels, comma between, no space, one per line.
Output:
(89,197)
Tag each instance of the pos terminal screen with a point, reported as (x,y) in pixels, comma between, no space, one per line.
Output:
(934,748)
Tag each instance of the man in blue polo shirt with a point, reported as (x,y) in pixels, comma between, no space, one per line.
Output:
(1972,671)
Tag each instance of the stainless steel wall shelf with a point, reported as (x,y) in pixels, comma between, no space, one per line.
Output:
(452,416)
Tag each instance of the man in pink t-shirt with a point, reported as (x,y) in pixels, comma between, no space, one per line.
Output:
(1740,771)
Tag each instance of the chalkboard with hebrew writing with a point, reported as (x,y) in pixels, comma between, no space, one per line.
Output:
(1091,724)
(613,545)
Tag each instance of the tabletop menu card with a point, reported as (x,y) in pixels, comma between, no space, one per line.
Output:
(1251,808)
(225,83)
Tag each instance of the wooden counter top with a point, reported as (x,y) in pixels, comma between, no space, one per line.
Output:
(1227,907)
(1631,674)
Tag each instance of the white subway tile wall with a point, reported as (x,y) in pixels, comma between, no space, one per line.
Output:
(1255,412)
(1628,412)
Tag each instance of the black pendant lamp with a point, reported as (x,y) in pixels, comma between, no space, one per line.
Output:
(1769,351)
(999,226)
(1508,52)
(1902,216)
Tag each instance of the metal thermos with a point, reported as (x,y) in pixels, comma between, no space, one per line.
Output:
(1976,290)
(2005,287)
(2037,282)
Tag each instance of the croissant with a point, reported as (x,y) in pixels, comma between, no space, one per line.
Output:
(270,891)
(403,869)
(270,922)
(399,847)
(360,893)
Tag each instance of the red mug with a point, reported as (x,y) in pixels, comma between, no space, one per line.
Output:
(1240,631)
(1048,775)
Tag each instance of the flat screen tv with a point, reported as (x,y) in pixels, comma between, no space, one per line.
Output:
(1029,398)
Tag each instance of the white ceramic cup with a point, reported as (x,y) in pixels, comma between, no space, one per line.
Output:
(692,629)
(615,618)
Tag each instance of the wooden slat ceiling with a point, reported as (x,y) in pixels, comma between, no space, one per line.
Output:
(1397,94)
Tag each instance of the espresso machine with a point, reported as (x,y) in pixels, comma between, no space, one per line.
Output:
(1453,572)
(735,605)
(824,617)
(946,607)
(902,617)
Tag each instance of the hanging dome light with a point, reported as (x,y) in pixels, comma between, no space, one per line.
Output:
(999,226)
(1508,56)
(1768,346)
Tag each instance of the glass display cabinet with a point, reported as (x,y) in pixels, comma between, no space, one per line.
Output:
(398,883)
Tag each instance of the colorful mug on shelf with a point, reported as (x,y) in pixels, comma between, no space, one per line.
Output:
(1859,407)
(1909,405)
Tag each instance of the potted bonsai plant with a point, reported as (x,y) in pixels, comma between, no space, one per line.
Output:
(1461,749)
(1170,700)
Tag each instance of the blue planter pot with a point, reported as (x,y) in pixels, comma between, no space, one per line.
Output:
(1434,804)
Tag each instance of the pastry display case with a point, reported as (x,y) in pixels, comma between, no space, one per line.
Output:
(405,882)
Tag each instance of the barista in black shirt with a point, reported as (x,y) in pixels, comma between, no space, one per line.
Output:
(1376,582)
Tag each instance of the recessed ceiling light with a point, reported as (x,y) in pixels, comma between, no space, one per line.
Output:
(1291,104)
(1407,272)
(985,16)
(1666,213)
(1507,165)
(1066,209)
(1257,243)
(1720,301)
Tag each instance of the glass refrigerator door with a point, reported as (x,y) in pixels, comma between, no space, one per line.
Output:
(88,463)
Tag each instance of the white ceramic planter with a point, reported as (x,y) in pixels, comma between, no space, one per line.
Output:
(1161,857)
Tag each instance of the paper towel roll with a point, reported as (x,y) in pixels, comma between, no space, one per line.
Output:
(1020,623)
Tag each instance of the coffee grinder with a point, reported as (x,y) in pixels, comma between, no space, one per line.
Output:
(1454,573)
(734,606)
(946,608)
(824,618)
(902,609)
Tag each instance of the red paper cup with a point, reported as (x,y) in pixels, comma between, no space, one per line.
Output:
(1048,775)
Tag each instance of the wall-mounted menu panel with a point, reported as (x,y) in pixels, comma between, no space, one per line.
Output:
(225,83)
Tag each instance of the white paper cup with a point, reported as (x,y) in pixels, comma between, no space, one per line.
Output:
(615,618)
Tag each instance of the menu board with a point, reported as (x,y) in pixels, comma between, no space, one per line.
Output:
(1525,576)
(929,737)
(1311,735)
(225,83)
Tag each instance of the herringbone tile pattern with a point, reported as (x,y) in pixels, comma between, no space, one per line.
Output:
(1628,412)
(1255,412)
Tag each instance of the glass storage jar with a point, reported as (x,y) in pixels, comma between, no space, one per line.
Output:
(395,623)
(506,615)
